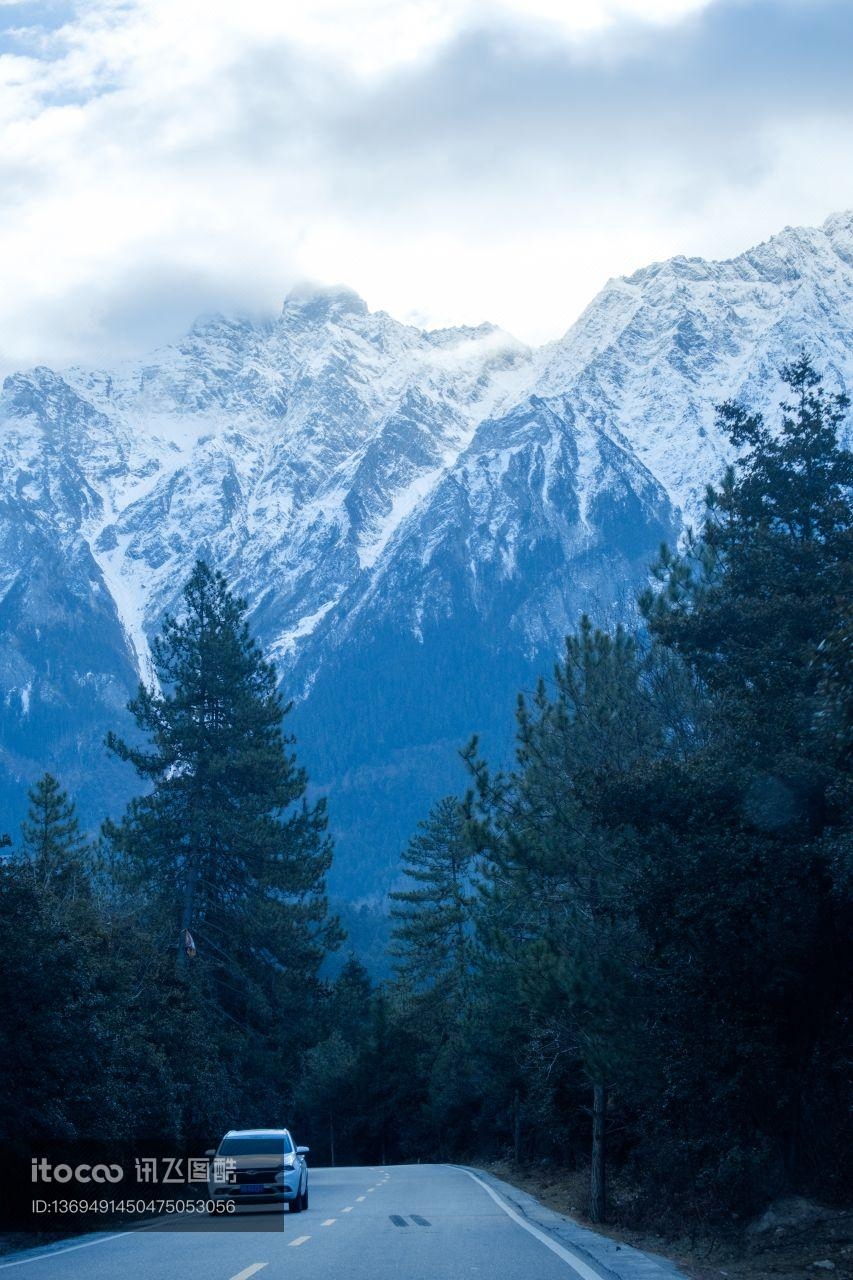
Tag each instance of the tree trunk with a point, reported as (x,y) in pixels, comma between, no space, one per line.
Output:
(517,1129)
(597,1183)
(332,1138)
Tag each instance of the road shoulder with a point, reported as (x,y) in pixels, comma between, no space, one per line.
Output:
(611,1259)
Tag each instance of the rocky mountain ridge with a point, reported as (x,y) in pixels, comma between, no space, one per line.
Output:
(415,517)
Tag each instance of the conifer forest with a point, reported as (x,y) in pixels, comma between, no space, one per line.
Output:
(628,952)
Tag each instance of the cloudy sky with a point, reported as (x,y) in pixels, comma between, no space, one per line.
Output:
(452,160)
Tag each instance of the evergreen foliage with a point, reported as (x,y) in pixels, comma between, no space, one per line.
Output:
(112,1026)
(562,868)
(635,941)
(433,946)
(665,875)
(52,841)
(225,841)
(744,894)
(225,835)
(432,939)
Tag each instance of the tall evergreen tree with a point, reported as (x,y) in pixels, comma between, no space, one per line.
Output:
(433,945)
(78,1021)
(563,866)
(334,1099)
(742,903)
(752,601)
(52,841)
(433,931)
(225,838)
(666,914)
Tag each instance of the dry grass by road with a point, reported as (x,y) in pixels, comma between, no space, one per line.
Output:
(795,1240)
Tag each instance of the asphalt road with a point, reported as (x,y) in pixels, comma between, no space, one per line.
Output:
(403,1222)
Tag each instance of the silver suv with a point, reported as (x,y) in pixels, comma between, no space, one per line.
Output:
(258,1166)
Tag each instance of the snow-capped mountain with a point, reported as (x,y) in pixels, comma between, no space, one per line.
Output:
(416,518)
(655,352)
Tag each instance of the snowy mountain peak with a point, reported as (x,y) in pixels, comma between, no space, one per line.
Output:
(310,303)
(415,516)
(656,351)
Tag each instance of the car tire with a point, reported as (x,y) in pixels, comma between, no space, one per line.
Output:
(305,1197)
(296,1204)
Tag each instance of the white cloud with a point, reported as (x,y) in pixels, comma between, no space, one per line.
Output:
(453,160)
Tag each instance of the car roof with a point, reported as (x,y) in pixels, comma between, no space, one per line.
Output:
(256,1133)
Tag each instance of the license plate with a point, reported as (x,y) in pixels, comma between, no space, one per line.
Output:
(252,1188)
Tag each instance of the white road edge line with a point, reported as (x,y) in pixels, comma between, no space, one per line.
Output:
(293,1244)
(250,1271)
(577,1264)
(51,1253)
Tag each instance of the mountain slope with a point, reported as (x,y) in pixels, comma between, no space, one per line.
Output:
(416,518)
(654,353)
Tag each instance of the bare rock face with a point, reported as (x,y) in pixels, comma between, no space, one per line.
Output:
(415,517)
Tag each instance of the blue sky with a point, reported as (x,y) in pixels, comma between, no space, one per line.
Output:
(452,160)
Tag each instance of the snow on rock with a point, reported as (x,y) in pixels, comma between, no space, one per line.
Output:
(654,354)
(435,505)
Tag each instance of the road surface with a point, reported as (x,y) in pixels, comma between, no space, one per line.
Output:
(400,1222)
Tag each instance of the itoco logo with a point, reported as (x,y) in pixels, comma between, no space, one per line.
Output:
(44,1171)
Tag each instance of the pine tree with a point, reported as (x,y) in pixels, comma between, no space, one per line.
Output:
(562,865)
(76,1048)
(433,947)
(52,841)
(751,601)
(225,836)
(333,1096)
(665,919)
(834,663)
(432,936)
(742,903)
